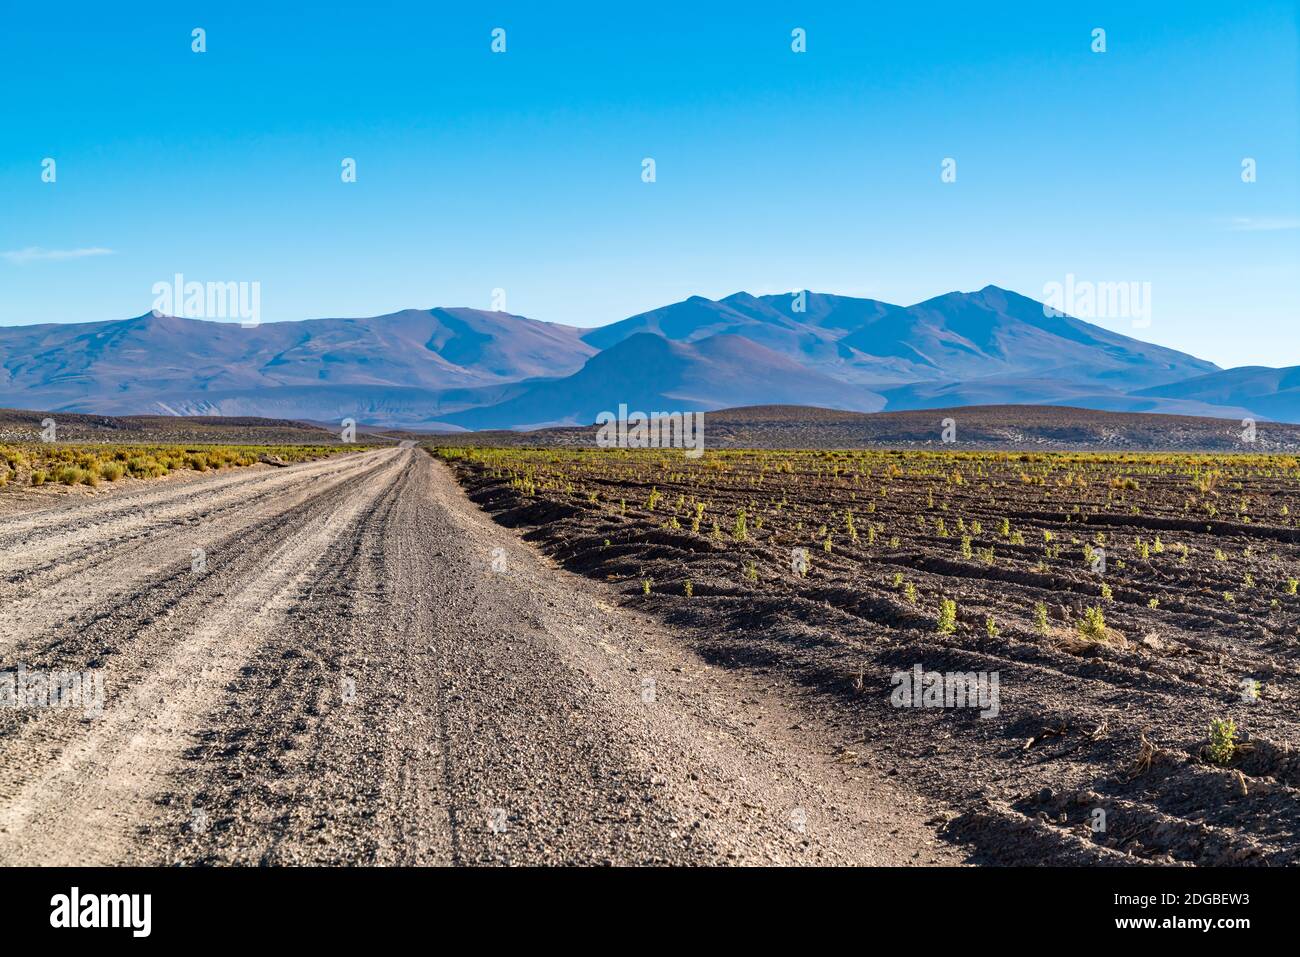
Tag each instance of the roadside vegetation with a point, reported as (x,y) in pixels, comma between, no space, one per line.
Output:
(38,464)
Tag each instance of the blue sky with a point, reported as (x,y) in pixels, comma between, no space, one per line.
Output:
(775,170)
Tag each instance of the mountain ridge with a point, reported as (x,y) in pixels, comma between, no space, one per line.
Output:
(472,368)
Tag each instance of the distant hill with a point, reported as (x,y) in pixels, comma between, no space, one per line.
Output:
(1266,393)
(24,425)
(1004,390)
(954,337)
(649,373)
(391,367)
(1027,428)
(470,369)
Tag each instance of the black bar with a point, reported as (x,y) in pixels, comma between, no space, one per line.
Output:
(335,906)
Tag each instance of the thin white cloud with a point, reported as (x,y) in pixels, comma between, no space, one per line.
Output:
(35,254)
(1250,224)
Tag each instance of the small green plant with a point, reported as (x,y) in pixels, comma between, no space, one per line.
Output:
(645,586)
(1092,626)
(740,530)
(1106,593)
(966,550)
(991,627)
(1153,603)
(909,593)
(947,616)
(689,588)
(751,571)
(1223,741)
(1291,585)
(1040,617)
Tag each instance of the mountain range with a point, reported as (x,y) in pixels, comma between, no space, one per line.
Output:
(458,368)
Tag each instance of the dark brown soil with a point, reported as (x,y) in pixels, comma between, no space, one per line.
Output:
(1115,722)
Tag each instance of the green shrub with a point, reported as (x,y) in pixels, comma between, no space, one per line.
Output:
(947,616)
(70,475)
(1223,740)
(1093,625)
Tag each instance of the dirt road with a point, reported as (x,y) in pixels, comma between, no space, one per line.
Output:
(346,662)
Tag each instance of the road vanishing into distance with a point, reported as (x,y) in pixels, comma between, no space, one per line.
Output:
(346,662)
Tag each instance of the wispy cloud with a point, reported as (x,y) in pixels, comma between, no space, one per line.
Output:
(1251,224)
(35,254)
